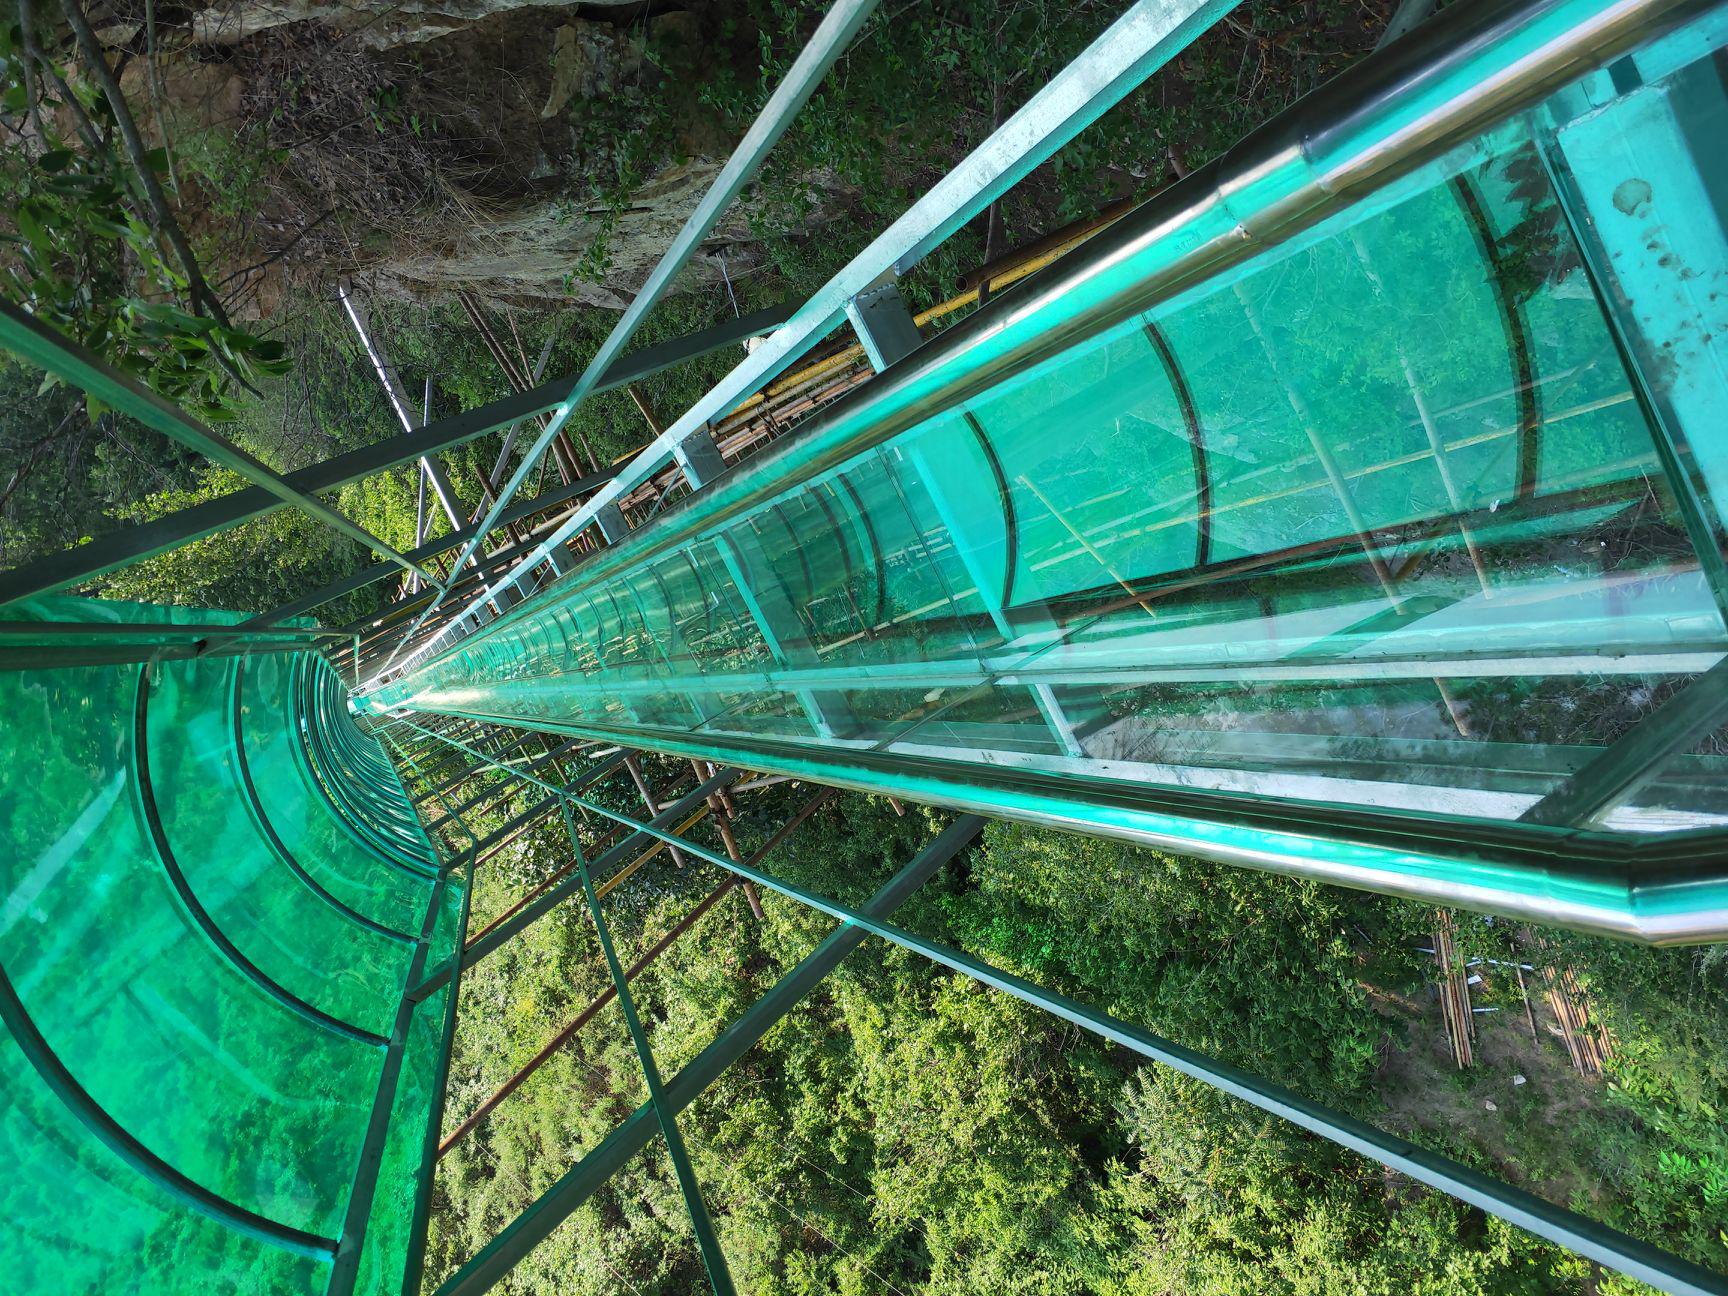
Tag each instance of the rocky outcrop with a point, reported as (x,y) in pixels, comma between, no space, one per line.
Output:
(528,252)
(228,22)
(432,146)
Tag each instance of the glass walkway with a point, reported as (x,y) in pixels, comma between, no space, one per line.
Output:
(1352,509)
(215,896)
(1389,550)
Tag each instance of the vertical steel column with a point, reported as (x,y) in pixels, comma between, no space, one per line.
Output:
(431,468)
(556,1205)
(719,1277)
(884,325)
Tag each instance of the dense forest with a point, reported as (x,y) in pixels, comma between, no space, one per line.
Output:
(909,1130)
(906,1130)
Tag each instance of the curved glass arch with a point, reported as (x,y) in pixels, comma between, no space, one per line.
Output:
(283,926)
(144,737)
(80,1217)
(305,821)
(261,819)
(356,802)
(280,1099)
(1390,523)
(167,1088)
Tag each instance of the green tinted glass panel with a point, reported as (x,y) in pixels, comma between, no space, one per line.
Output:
(1414,513)
(80,1221)
(350,771)
(280,922)
(196,1024)
(162,1012)
(302,819)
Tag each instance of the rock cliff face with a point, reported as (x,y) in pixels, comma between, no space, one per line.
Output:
(529,249)
(375,26)
(442,145)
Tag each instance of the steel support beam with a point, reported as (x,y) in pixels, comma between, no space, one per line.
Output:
(119,548)
(345,1271)
(567,1033)
(431,468)
(419,1225)
(41,346)
(479,799)
(713,1259)
(515,827)
(577,1184)
(531,913)
(1136,45)
(574,1028)
(463,775)
(826,44)
(466,587)
(501,933)
(74,630)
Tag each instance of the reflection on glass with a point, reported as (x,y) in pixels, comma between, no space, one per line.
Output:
(1415,511)
(179,983)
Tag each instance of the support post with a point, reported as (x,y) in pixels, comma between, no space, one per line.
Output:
(719,1277)
(883,324)
(553,1207)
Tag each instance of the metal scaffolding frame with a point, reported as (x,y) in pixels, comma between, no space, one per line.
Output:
(1140,42)
(484,1270)
(1295,174)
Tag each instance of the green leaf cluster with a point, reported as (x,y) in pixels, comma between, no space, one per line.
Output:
(82,255)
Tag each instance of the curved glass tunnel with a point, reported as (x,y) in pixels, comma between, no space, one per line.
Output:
(1390,555)
(1377,539)
(216,895)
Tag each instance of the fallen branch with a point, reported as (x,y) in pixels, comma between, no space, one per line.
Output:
(277,255)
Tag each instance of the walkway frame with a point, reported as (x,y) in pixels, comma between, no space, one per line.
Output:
(1147,36)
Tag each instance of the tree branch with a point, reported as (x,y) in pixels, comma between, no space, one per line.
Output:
(28,35)
(278,254)
(166,225)
(33,455)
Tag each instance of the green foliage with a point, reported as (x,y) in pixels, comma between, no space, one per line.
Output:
(61,473)
(1661,1144)
(1224,1200)
(1285,981)
(254,567)
(621,137)
(230,169)
(84,255)
(907,1130)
